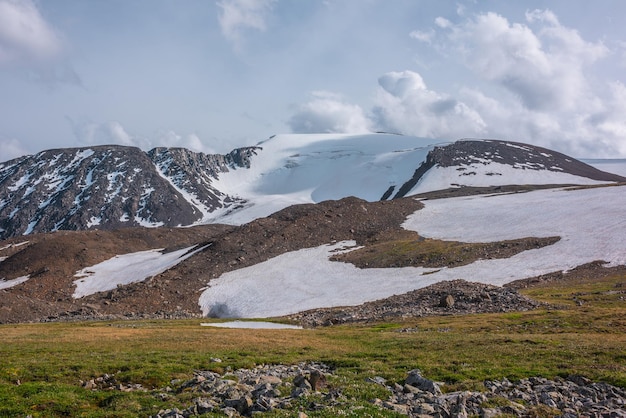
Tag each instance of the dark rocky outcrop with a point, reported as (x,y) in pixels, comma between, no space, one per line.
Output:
(110,187)
(444,298)
(460,154)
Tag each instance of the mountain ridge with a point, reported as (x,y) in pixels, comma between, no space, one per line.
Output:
(112,186)
(290,205)
(109,187)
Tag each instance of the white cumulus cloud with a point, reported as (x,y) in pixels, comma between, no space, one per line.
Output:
(191,142)
(540,84)
(236,16)
(424,36)
(530,81)
(25,35)
(114,133)
(107,133)
(405,104)
(32,46)
(11,148)
(328,112)
(544,68)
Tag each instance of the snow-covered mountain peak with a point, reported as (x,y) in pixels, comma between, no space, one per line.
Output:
(107,187)
(290,169)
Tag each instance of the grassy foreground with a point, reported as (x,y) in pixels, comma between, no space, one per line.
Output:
(41,365)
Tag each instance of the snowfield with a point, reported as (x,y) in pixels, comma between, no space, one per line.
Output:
(590,222)
(310,168)
(301,280)
(492,174)
(250,325)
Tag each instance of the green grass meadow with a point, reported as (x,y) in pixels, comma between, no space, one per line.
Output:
(42,365)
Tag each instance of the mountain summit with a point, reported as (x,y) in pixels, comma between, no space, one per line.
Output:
(110,187)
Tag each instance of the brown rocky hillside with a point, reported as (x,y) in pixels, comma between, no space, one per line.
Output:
(52,259)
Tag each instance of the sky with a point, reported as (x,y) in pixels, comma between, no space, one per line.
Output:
(216,75)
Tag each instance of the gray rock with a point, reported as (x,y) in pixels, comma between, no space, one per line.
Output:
(416,379)
(447,301)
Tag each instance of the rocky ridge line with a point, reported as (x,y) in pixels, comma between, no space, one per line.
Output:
(464,153)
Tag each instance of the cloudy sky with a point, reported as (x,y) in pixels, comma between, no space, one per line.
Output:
(215,75)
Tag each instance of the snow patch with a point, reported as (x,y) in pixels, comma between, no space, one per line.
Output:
(113,182)
(128,268)
(143,202)
(80,156)
(19,244)
(518,146)
(13,212)
(493,174)
(20,182)
(5,284)
(301,280)
(94,221)
(31,226)
(250,325)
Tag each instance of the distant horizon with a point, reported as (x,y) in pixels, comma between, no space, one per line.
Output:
(259,143)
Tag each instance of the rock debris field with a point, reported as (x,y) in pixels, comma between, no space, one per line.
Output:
(309,387)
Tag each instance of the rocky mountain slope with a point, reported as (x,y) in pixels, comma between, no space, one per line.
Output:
(48,293)
(87,254)
(42,268)
(111,187)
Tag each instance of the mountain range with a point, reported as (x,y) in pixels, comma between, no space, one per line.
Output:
(111,187)
(110,230)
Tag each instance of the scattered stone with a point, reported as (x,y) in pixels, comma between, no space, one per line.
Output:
(258,392)
(447,301)
(247,392)
(416,380)
(572,397)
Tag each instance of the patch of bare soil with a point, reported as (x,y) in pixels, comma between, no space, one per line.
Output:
(590,271)
(408,249)
(51,260)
